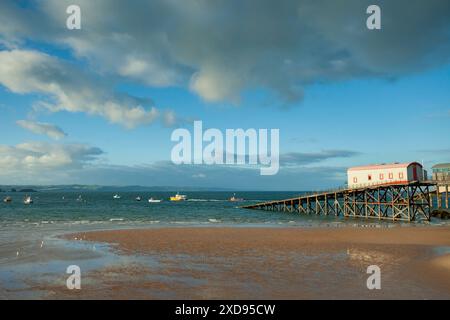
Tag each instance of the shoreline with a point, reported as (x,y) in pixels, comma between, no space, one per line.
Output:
(272,263)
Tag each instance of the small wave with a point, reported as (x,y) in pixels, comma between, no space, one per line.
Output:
(80,222)
(183,222)
(116,219)
(214,220)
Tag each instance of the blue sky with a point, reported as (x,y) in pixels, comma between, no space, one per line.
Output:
(340,94)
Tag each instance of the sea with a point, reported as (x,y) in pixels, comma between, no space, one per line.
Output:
(63,211)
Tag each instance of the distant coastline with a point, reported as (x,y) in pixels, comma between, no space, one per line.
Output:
(98,188)
(28,190)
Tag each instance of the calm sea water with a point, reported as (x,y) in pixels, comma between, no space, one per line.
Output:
(62,211)
(99,208)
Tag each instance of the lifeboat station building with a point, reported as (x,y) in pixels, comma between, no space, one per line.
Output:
(441,175)
(441,172)
(394,173)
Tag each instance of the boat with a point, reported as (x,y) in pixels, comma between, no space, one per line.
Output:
(80,198)
(116,196)
(151,200)
(178,197)
(7,200)
(138,198)
(234,199)
(28,200)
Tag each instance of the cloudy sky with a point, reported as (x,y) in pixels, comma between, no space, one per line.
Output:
(98,105)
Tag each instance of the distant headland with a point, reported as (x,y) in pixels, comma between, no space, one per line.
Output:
(98,188)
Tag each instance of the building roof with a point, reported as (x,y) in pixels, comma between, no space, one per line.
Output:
(442,166)
(384,166)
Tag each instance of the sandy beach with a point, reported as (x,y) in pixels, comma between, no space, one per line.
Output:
(270,263)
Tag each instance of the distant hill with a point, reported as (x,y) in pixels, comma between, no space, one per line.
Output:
(16,189)
(96,188)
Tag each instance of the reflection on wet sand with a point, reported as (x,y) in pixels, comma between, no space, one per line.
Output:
(248,263)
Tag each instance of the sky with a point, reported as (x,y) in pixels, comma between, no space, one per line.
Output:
(98,105)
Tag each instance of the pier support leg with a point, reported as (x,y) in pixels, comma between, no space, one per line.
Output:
(317,205)
(336,208)
(438,196)
(431,198)
(446,196)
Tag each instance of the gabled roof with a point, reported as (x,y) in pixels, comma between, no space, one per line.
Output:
(442,166)
(384,166)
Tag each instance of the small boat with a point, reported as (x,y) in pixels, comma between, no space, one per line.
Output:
(138,198)
(178,197)
(151,200)
(28,200)
(7,200)
(234,199)
(116,196)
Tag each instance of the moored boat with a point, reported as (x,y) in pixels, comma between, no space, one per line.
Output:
(151,200)
(28,200)
(7,199)
(116,196)
(234,199)
(138,198)
(178,197)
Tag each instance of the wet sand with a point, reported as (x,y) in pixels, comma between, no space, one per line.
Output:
(270,263)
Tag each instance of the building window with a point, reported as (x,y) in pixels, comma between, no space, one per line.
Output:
(391,175)
(381,176)
(355,180)
(400,175)
(369,177)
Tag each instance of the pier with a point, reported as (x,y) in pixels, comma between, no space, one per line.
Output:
(411,201)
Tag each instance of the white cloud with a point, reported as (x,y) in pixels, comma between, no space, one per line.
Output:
(216,86)
(144,70)
(70,89)
(303,158)
(47,129)
(220,48)
(36,156)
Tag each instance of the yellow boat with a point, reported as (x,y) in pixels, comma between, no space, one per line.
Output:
(178,197)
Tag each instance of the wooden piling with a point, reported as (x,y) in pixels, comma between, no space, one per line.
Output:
(446,196)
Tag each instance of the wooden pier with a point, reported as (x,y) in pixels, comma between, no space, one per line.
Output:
(396,202)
